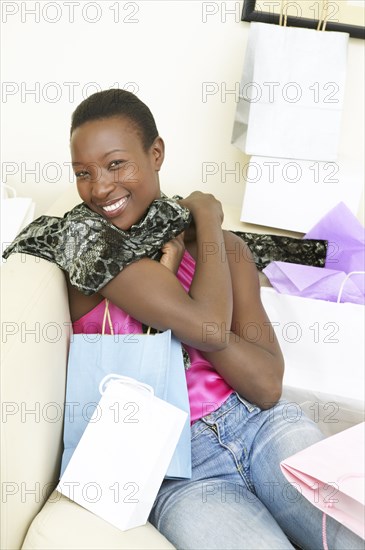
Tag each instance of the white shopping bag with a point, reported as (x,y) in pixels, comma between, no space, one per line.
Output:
(121,460)
(295,194)
(291,93)
(323,347)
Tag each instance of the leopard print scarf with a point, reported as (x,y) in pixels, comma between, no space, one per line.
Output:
(91,249)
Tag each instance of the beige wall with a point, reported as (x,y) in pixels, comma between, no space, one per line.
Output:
(169,53)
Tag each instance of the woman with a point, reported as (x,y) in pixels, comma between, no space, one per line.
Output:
(205,289)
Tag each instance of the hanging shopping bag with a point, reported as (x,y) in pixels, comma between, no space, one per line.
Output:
(119,463)
(295,194)
(156,360)
(330,474)
(291,93)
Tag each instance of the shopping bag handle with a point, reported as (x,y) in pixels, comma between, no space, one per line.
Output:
(283,17)
(125,380)
(329,504)
(345,281)
(107,316)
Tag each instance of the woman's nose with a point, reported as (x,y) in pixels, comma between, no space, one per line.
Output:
(102,184)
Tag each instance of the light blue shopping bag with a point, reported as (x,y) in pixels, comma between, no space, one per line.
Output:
(156,360)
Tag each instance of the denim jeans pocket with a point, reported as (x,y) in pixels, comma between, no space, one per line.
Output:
(249,406)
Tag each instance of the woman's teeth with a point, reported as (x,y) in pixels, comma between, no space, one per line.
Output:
(114,206)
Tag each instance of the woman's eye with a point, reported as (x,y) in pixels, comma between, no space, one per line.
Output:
(80,175)
(116,163)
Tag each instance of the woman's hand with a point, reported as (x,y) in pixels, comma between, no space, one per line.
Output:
(172,253)
(202,205)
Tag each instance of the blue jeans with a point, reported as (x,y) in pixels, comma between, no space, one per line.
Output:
(237,497)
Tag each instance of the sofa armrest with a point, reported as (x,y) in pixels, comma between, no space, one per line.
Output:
(35,337)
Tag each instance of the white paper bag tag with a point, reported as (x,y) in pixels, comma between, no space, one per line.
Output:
(120,462)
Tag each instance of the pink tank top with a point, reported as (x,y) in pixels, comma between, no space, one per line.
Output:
(207,389)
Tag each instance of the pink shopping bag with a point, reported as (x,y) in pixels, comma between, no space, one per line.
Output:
(330,474)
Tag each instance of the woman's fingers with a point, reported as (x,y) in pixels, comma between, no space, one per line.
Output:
(172,253)
(202,204)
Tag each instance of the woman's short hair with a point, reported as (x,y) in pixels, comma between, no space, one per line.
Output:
(116,102)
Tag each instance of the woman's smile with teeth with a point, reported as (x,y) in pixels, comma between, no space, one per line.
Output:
(115,206)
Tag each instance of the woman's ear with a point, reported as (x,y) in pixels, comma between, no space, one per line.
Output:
(158,152)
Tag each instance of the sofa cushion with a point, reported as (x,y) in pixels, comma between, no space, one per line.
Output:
(63,524)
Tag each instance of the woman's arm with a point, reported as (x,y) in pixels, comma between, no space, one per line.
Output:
(252,362)
(151,293)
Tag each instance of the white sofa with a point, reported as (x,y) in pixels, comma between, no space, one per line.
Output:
(35,338)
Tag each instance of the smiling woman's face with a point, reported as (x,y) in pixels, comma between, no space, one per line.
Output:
(115,176)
